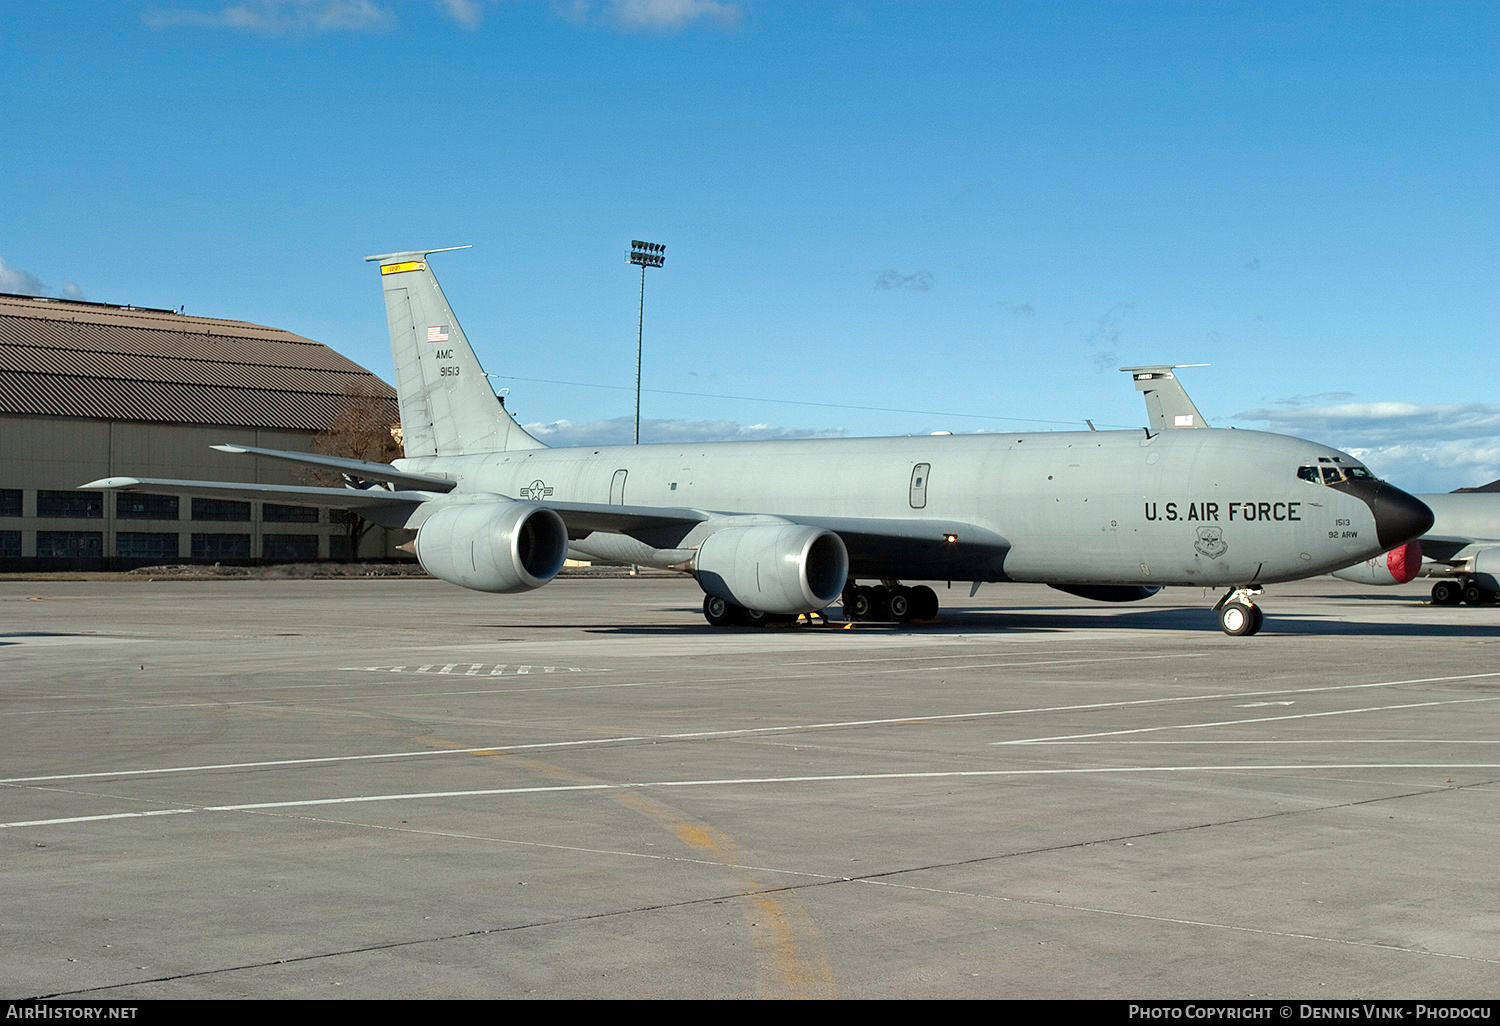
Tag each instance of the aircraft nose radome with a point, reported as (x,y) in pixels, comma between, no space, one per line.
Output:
(1399,517)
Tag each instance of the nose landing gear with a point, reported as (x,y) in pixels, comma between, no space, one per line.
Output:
(1238,613)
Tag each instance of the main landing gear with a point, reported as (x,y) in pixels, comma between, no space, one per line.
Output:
(723,613)
(890,601)
(1451,593)
(1238,613)
(887,602)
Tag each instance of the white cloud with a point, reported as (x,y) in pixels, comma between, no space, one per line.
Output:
(23,283)
(468,13)
(895,280)
(620,431)
(671,15)
(1431,448)
(317,17)
(653,15)
(19,282)
(283,17)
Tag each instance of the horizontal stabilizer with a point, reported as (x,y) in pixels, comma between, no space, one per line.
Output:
(363,469)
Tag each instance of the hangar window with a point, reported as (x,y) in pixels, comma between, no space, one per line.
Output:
(10,544)
(289,546)
(220,509)
(70,543)
(221,546)
(69,504)
(10,502)
(146,545)
(140,506)
(276,514)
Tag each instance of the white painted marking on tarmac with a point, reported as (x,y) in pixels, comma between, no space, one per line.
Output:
(159,707)
(691,735)
(1174,921)
(744,781)
(1308,741)
(1236,723)
(321,759)
(472,670)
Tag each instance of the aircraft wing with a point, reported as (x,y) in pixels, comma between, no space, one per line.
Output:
(652,524)
(924,549)
(1449,550)
(305,495)
(934,549)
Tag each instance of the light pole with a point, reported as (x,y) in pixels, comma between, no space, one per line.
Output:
(643,254)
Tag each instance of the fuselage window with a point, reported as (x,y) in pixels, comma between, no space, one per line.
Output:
(1308,474)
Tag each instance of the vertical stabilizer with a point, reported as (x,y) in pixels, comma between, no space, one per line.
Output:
(1167,402)
(447,405)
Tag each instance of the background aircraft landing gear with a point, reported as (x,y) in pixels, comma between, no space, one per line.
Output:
(1476,594)
(1238,613)
(1447,593)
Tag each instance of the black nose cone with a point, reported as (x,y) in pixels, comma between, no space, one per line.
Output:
(1399,517)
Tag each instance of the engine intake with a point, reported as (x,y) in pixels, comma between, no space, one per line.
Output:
(774,568)
(496,546)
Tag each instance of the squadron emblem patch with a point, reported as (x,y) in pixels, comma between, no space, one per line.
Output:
(1211,542)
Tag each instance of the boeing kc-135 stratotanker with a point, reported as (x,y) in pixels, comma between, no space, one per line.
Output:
(775,529)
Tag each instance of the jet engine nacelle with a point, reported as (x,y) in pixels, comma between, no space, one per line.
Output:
(1397,566)
(493,546)
(774,568)
(1485,566)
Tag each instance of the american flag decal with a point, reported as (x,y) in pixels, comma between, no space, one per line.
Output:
(437,333)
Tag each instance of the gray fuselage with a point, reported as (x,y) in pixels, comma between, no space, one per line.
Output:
(1211,507)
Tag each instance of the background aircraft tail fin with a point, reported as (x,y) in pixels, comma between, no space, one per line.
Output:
(447,405)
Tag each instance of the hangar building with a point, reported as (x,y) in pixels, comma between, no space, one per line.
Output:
(91,390)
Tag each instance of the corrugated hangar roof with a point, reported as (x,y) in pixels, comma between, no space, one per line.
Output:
(71,359)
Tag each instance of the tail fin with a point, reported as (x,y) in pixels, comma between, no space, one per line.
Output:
(1167,402)
(447,405)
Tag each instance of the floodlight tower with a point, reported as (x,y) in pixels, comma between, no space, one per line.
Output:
(643,254)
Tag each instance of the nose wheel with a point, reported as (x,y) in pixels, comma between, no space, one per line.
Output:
(1238,613)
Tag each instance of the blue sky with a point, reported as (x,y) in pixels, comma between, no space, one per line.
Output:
(880,217)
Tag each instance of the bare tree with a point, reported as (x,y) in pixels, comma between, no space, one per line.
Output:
(367,427)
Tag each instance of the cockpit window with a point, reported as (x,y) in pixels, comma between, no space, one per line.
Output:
(1331,475)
